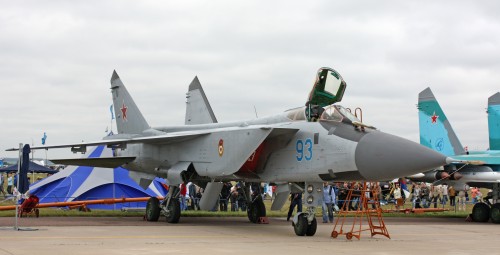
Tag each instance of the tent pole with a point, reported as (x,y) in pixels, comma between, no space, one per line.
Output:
(16,227)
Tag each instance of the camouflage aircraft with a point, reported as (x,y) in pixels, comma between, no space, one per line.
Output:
(296,150)
(471,168)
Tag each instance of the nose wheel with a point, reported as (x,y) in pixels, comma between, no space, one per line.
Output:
(305,225)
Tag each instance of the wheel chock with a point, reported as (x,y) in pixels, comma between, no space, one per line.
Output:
(263,220)
(469,218)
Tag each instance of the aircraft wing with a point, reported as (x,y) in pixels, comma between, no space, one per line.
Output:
(159,139)
(239,143)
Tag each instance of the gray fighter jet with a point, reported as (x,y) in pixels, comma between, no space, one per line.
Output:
(298,149)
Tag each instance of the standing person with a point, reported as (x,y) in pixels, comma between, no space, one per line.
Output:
(328,202)
(416,196)
(479,197)
(461,199)
(224,196)
(242,204)
(354,204)
(452,193)
(342,193)
(2,184)
(233,197)
(444,193)
(183,196)
(10,183)
(192,196)
(434,194)
(198,197)
(296,200)
(473,193)
(397,195)
(15,181)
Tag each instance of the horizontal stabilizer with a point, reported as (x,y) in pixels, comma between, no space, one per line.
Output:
(95,162)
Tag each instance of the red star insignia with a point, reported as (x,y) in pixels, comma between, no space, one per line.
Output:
(124,112)
(434,118)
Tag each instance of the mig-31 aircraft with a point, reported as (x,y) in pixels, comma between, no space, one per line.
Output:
(296,150)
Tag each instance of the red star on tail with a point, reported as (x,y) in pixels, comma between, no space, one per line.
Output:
(434,118)
(124,112)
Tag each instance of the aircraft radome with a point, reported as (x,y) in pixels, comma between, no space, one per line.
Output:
(298,149)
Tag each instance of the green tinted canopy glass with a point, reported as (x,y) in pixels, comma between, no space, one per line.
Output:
(328,88)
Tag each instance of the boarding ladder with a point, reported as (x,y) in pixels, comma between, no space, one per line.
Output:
(374,220)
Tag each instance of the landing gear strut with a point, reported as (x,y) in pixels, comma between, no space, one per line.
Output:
(255,204)
(306,223)
(170,206)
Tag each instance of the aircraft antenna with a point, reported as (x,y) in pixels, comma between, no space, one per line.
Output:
(255,109)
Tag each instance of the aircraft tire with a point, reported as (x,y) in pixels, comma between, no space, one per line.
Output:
(256,210)
(495,213)
(311,229)
(300,227)
(174,211)
(153,209)
(480,212)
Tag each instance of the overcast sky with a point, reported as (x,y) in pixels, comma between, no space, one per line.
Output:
(57,57)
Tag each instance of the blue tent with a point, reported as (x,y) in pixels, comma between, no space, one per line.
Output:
(90,183)
(33,167)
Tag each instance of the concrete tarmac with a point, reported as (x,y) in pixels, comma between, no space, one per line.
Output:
(228,235)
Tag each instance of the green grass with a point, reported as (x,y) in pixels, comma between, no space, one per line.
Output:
(60,212)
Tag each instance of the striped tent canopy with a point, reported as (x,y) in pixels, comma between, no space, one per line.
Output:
(78,183)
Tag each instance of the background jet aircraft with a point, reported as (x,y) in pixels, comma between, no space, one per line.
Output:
(296,150)
(437,134)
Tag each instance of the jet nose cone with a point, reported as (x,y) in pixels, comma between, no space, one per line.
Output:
(381,156)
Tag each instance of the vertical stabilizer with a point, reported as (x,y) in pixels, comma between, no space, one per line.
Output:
(435,129)
(198,109)
(494,121)
(129,119)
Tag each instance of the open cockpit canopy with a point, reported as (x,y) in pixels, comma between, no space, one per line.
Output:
(328,88)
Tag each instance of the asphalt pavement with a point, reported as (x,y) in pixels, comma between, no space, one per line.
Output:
(236,235)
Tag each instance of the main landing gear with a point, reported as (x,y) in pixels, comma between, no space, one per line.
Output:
(255,204)
(482,212)
(256,209)
(170,207)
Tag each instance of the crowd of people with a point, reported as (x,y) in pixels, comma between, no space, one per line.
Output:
(231,197)
(424,195)
(8,184)
(11,180)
